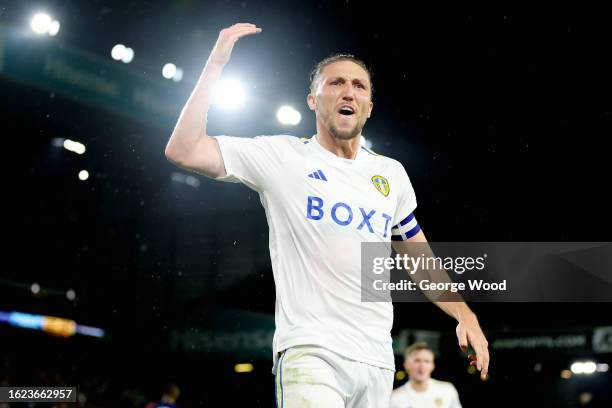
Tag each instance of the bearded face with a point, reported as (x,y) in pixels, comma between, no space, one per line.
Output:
(342,99)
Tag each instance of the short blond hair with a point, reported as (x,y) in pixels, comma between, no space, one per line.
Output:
(418,346)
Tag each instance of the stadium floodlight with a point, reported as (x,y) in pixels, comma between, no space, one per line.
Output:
(35,288)
(178,75)
(118,51)
(192,181)
(185,179)
(75,147)
(40,23)
(589,367)
(83,175)
(229,94)
(577,367)
(169,70)
(583,367)
(128,55)
(122,53)
(288,116)
(54,28)
(70,294)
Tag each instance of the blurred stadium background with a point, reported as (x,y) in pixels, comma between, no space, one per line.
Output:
(501,120)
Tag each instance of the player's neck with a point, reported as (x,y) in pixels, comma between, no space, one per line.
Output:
(346,149)
(419,386)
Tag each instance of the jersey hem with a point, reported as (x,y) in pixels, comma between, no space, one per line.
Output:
(342,353)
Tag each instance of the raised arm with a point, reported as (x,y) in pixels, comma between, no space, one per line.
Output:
(190,146)
(468,329)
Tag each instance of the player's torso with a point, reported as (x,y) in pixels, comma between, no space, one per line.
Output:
(336,196)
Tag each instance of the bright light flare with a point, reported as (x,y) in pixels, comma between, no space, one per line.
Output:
(40,23)
(169,70)
(583,367)
(75,147)
(122,53)
(229,94)
(288,116)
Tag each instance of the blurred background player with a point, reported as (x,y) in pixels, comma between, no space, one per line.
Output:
(422,391)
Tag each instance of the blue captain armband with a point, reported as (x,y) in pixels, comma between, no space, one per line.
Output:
(406,229)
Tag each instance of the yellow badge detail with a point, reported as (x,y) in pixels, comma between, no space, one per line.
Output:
(438,402)
(381,184)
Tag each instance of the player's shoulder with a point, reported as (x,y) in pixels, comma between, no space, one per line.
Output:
(447,385)
(401,389)
(281,141)
(376,157)
(398,396)
(380,160)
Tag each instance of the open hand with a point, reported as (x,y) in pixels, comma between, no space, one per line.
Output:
(227,38)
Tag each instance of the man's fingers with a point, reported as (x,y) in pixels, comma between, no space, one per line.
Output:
(243,29)
(248,31)
(462,337)
(228,38)
(472,335)
(482,360)
(239,26)
(235,35)
(485,365)
(244,25)
(477,346)
(484,351)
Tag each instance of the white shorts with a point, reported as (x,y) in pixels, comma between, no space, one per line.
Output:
(312,376)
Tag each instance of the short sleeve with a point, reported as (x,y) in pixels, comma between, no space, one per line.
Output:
(251,161)
(404,224)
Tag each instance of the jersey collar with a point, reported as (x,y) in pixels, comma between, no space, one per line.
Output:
(331,156)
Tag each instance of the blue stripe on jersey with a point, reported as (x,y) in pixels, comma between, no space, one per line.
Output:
(413,231)
(409,234)
(407,220)
(322,175)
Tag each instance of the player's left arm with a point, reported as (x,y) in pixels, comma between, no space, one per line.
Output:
(468,329)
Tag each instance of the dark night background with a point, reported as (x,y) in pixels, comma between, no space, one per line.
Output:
(500,118)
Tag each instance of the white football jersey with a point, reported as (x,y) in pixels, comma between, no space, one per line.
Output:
(320,208)
(439,394)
